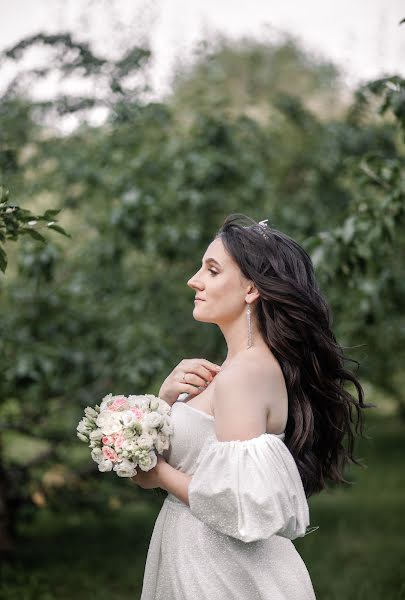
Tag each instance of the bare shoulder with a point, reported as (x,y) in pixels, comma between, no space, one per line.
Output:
(262,365)
(242,369)
(257,374)
(247,397)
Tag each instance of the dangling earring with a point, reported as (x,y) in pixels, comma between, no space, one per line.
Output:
(250,343)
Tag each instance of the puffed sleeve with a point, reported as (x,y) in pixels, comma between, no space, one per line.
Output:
(249,489)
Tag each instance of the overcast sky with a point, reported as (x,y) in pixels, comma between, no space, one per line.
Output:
(363,36)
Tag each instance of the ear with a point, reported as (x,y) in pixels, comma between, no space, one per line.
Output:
(252,294)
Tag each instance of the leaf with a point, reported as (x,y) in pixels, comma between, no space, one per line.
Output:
(3,260)
(34,234)
(51,213)
(60,230)
(348,229)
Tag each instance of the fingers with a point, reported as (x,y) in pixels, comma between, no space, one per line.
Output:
(210,365)
(199,376)
(200,373)
(201,368)
(192,389)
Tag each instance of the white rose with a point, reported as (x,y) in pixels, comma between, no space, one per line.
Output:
(161,443)
(134,401)
(143,402)
(153,434)
(97,455)
(129,445)
(152,419)
(167,429)
(90,412)
(146,429)
(145,441)
(128,418)
(128,433)
(125,468)
(97,434)
(148,461)
(109,422)
(154,403)
(164,407)
(105,402)
(105,465)
(89,424)
(82,427)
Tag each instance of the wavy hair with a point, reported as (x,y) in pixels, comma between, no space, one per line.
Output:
(295,321)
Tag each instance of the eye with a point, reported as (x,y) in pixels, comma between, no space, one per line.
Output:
(214,272)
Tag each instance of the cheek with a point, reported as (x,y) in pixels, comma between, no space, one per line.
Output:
(226,294)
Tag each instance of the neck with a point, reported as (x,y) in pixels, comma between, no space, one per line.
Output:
(236,336)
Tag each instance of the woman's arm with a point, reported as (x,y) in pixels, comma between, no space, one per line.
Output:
(240,413)
(175,482)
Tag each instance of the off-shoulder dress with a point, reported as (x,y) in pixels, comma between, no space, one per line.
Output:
(233,542)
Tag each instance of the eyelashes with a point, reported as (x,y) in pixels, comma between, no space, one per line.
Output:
(211,271)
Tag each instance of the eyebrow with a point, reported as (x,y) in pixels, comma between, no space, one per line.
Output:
(212,260)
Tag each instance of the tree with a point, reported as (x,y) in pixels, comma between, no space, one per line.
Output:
(359,261)
(15,222)
(144,193)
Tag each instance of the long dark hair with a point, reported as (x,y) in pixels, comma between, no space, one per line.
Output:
(295,321)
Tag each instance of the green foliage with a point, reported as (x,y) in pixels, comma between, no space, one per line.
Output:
(16,221)
(358,261)
(108,309)
(246,75)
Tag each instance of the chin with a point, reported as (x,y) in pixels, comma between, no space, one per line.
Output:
(199,318)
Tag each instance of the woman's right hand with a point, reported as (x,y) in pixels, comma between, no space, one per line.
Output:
(198,372)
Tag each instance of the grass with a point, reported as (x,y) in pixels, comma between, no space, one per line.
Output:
(357,553)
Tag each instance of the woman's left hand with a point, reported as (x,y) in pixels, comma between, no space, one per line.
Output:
(149,480)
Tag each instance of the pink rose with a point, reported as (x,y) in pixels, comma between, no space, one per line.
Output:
(109,454)
(137,412)
(107,440)
(118,403)
(118,440)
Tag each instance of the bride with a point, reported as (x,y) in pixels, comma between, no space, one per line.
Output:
(254,437)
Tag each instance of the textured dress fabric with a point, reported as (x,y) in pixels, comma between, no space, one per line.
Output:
(233,541)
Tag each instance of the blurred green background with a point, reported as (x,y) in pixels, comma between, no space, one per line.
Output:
(265,129)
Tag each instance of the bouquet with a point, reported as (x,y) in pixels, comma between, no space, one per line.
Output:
(126,432)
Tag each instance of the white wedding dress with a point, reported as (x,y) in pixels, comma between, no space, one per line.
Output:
(233,542)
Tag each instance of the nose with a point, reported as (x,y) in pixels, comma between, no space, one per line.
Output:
(193,283)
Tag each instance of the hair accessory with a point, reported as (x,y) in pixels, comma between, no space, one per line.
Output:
(262,227)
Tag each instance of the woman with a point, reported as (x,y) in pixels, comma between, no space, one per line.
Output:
(255,438)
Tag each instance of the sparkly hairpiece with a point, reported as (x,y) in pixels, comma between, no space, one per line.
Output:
(262,227)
